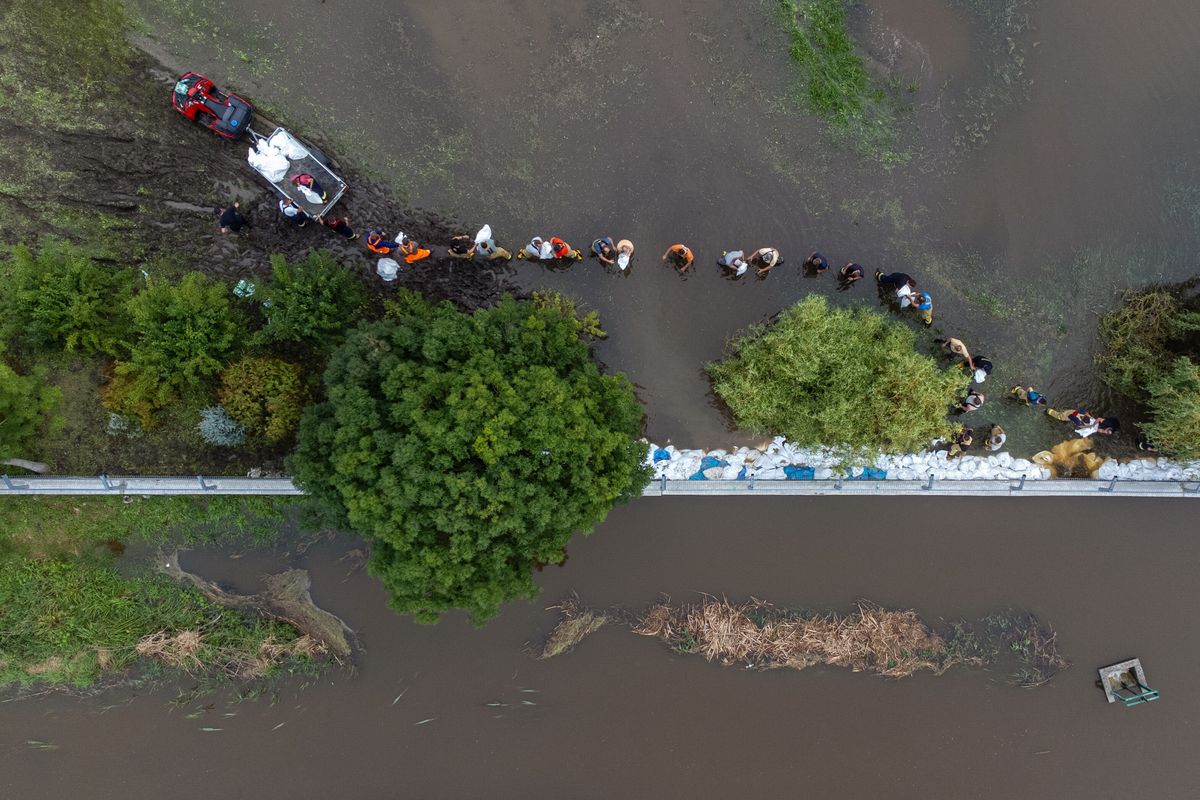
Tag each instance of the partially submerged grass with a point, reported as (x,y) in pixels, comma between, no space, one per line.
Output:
(73,622)
(835,82)
(892,643)
(575,625)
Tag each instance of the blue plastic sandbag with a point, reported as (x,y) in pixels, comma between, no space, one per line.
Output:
(661,455)
(794,473)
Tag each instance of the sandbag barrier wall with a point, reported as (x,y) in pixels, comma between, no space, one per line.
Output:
(199,485)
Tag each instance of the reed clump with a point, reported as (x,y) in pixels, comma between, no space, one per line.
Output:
(887,642)
(575,624)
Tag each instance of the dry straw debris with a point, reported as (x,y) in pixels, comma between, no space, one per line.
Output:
(576,624)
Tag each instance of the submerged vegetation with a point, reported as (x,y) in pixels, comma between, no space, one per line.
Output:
(835,82)
(69,617)
(895,644)
(1152,355)
(848,378)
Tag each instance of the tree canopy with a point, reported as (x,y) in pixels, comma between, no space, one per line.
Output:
(26,404)
(469,448)
(845,378)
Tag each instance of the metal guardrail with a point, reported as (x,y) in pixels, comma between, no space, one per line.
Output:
(199,485)
(143,485)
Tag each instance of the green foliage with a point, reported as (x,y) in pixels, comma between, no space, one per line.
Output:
(181,334)
(1174,406)
(469,448)
(57,527)
(69,621)
(218,428)
(588,323)
(844,378)
(26,406)
(265,395)
(836,83)
(62,299)
(315,300)
(1142,338)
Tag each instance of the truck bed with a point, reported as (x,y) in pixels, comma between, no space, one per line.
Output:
(334,186)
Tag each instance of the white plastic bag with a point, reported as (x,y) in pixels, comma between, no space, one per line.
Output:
(388,269)
(310,195)
(484,234)
(269,162)
(285,143)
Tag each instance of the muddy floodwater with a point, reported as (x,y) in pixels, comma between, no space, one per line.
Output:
(623,716)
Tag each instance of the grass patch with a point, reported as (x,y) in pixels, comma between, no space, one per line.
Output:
(60,527)
(69,622)
(835,82)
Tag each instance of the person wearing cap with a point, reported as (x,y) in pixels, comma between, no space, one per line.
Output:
(922,302)
(538,249)
(983,368)
(461,247)
(996,437)
(849,274)
(817,263)
(1144,444)
(973,402)
(1028,394)
(378,243)
(486,246)
(292,213)
(680,256)
(765,258)
(412,251)
(306,181)
(604,249)
(956,347)
(624,253)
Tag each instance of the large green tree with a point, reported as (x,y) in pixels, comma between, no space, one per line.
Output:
(845,378)
(469,448)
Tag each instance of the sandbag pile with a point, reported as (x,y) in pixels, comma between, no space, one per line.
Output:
(782,460)
(1150,469)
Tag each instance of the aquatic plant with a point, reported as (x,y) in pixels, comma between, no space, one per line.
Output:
(888,642)
(836,84)
(840,377)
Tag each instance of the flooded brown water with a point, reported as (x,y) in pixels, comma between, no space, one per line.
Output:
(622,716)
(1052,158)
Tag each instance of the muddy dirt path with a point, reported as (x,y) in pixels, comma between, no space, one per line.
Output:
(623,716)
(666,121)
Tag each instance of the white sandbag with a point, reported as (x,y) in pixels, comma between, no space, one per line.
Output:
(731,472)
(287,144)
(713,473)
(309,195)
(269,161)
(387,269)
(822,473)
(484,234)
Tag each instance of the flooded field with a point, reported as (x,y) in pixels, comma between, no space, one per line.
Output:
(623,716)
(1048,148)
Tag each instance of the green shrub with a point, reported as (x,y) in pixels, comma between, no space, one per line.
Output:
(60,298)
(181,333)
(316,300)
(218,428)
(844,378)
(27,404)
(1174,407)
(265,395)
(1142,338)
(468,448)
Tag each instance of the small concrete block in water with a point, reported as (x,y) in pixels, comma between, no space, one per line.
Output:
(1123,673)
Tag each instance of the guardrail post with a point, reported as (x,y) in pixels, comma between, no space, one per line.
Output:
(208,487)
(929,485)
(8,483)
(1111,485)
(1018,487)
(1186,490)
(838,484)
(750,484)
(109,485)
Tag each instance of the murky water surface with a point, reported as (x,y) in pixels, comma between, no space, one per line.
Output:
(623,716)
(1052,165)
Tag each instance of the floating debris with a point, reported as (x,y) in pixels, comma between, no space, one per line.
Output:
(422,722)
